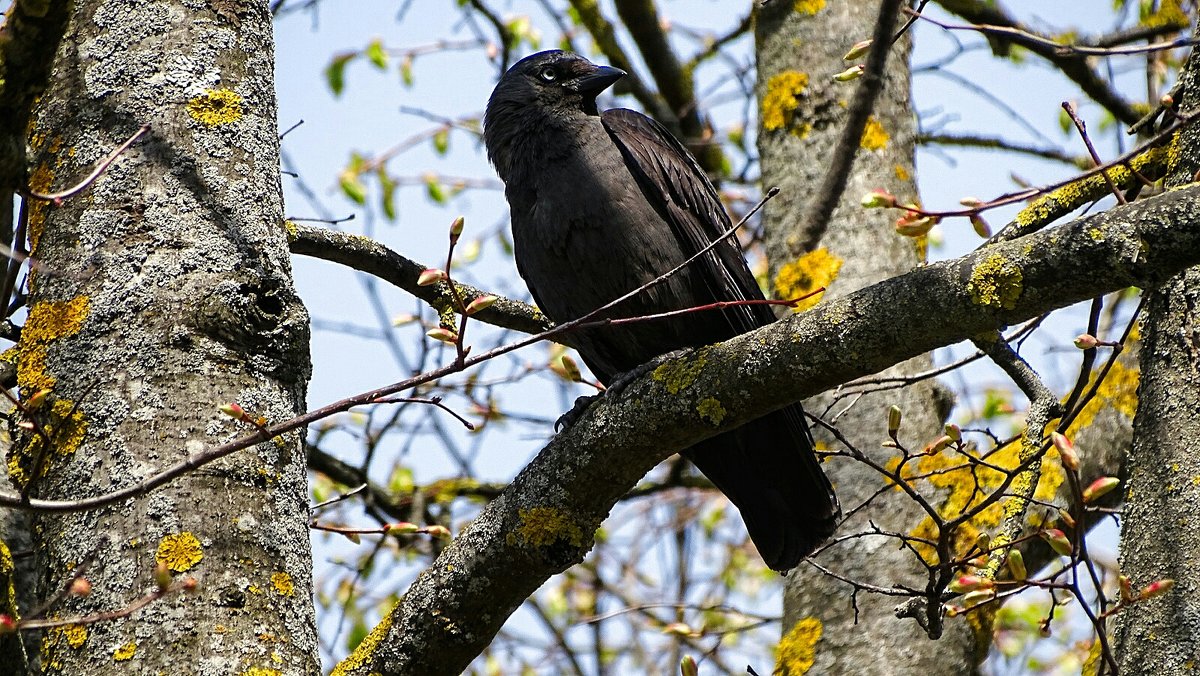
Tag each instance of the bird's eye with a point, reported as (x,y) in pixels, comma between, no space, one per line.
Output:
(548,74)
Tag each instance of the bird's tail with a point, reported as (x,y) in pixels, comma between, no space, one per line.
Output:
(767,468)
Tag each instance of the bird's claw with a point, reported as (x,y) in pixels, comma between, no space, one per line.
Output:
(572,416)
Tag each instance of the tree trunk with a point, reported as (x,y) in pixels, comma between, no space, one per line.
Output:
(801,117)
(1162,502)
(161,292)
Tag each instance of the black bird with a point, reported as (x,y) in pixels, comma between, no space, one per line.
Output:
(604,202)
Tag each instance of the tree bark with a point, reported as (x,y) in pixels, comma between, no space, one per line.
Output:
(826,627)
(161,292)
(1159,538)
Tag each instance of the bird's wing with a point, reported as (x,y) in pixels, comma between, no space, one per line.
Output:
(677,187)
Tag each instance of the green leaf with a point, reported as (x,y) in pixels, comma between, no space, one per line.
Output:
(441,141)
(335,72)
(388,199)
(352,186)
(376,54)
(434,189)
(401,482)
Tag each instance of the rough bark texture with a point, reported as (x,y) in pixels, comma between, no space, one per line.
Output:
(795,46)
(164,291)
(544,521)
(1159,538)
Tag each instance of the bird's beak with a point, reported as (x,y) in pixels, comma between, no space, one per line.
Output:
(597,81)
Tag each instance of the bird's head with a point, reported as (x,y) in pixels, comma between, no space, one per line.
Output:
(544,88)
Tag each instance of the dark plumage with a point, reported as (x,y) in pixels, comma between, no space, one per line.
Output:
(603,203)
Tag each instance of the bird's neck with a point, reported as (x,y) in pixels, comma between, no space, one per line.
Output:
(535,140)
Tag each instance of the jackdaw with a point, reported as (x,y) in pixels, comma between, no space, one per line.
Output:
(601,204)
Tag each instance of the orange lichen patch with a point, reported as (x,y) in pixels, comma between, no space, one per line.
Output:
(809,7)
(542,526)
(1117,391)
(873,137)
(48,321)
(782,98)
(965,486)
(365,650)
(65,428)
(216,107)
(814,270)
(797,651)
(283,584)
(179,552)
(125,652)
(901,172)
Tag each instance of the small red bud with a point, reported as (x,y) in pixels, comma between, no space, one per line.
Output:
(980,226)
(937,445)
(437,531)
(7,624)
(677,629)
(481,303)
(971,202)
(80,587)
(913,224)
(431,276)
(878,199)
(858,50)
(1086,341)
(1066,517)
(687,666)
(1057,540)
(401,528)
(443,334)
(1066,451)
(234,411)
(1100,487)
(1157,588)
(35,401)
(456,228)
(190,584)
(851,73)
(969,583)
(954,432)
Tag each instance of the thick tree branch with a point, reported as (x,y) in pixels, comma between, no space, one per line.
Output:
(544,521)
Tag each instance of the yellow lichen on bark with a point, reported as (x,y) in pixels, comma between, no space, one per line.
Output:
(677,375)
(125,652)
(47,322)
(809,7)
(995,282)
(782,98)
(216,107)
(262,671)
(874,137)
(365,650)
(814,270)
(542,526)
(64,426)
(710,409)
(179,552)
(797,651)
(283,584)
(1118,391)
